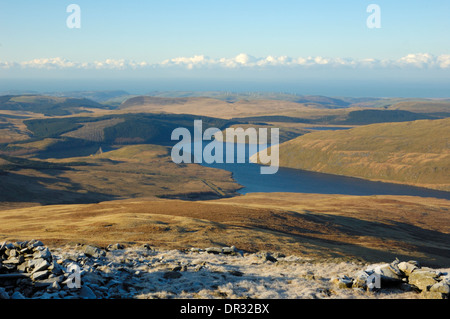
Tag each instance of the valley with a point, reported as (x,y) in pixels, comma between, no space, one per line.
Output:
(93,172)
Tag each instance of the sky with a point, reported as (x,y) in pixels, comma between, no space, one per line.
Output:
(317,47)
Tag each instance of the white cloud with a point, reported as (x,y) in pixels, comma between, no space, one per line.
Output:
(48,63)
(243,60)
(419,60)
(444,61)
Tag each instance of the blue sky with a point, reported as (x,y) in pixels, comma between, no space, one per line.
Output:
(226,39)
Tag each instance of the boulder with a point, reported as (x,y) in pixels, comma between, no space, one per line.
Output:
(116,246)
(93,278)
(389,274)
(13,260)
(87,293)
(433,295)
(38,264)
(229,250)
(92,251)
(360,279)
(422,279)
(342,282)
(34,243)
(407,267)
(440,287)
(3,293)
(42,252)
(214,250)
(48,282)
(17,295)
(266,256)
(40,275)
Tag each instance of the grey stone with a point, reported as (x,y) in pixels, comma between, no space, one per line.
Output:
(39,264)
(3,293)
(40,275)
(87,293)
(34,243)
(422,279)
(407,268)
(414,262)
(23,267)
(445,279)
(266,256)
(432,295)
(229,250)
(177,268)
(42,252)
(342,282)
(440,287)
(236,273)
(388,274)
(116,246)
(13,261)
(48,282)
(360,280)
(93,278)
(92,251)
(214,250)
(17,295)
(406,287)
(55,268)
(48,295)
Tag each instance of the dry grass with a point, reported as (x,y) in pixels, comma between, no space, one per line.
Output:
(93,131)
(221,109)
(415,153)
(423,106)
(371,228)
(130,172)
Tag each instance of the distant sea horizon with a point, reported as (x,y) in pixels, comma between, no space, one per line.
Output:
(344,88)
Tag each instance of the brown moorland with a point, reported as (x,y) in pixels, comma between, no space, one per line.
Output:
(415,153)
(369,228)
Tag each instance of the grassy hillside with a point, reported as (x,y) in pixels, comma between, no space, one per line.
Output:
(371,228)
(416,153)
(47,105)
(227,109)
(423,106)
(134,171)
(364,117)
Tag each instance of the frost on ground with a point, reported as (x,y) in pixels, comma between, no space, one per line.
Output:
(144,272)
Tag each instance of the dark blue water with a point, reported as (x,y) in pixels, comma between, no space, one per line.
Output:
(299,181)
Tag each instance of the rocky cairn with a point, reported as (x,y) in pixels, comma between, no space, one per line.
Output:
(407,276)
(29,269)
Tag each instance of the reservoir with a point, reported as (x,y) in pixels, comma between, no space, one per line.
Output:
(300,181)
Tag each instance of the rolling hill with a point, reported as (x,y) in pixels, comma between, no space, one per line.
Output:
(415,153)
(48,105)
(226,109)
(313,226)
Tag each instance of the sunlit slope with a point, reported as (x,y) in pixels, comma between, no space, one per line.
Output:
(416,153)
(371,228)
